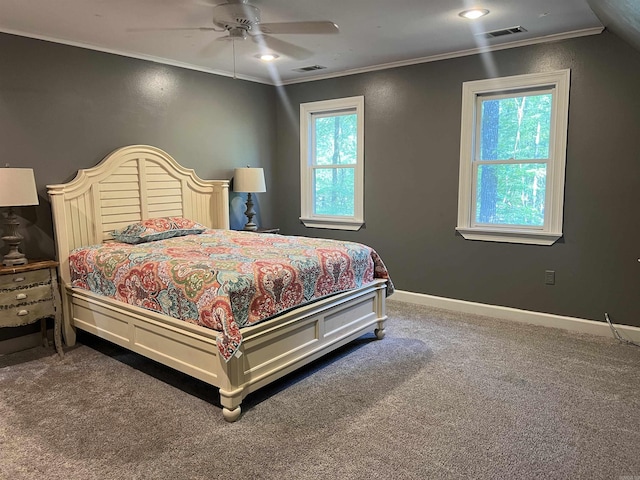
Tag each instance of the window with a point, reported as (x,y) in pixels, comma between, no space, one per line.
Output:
(332,163)
(512,158)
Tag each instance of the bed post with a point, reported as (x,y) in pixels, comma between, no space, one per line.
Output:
(381,309)
(220,201)
(56,195)
(231,390)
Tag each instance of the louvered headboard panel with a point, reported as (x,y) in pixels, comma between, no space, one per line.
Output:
(131,184)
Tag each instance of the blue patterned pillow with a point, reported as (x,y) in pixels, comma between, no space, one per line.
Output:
(157,229)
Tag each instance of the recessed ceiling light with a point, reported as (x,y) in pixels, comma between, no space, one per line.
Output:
(267,57)
(474,13)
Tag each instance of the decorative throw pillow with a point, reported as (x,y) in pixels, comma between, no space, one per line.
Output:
(157,229)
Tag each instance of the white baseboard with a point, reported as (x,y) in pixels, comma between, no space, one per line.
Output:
(628,332)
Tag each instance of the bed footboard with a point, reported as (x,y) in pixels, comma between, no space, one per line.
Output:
(270,349)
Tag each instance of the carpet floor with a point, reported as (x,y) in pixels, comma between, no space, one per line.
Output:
(444,395)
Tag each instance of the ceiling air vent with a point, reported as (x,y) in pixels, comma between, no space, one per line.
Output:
(309,69)
(502,32)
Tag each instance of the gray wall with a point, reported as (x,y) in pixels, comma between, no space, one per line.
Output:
(412,142)
(63,108)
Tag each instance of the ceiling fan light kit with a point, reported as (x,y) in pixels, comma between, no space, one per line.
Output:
(236,33)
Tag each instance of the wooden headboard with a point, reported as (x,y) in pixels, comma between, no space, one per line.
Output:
(131,184)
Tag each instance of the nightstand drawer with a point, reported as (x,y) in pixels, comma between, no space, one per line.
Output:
(17,280)
(25,314)
(25,296)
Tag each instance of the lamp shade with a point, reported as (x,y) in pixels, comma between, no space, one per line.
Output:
(17,187)
(249,180)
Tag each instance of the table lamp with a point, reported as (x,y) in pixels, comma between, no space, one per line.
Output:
(17,189)
(249,180)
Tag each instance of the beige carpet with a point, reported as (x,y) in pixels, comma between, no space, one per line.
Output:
(444,395)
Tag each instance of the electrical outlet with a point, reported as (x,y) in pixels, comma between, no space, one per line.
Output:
(550,277)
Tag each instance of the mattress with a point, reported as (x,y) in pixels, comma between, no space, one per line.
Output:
(224,279)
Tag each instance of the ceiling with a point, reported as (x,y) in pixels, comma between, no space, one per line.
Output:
(373,34)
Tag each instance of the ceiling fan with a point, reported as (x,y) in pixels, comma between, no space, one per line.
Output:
(241,20)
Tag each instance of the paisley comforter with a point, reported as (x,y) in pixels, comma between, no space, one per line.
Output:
(224,279)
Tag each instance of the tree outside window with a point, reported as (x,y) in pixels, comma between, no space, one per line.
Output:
(336,143)
(332,163)
(511,186)
(512,158)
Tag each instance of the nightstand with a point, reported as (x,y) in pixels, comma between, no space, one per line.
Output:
(267,230)
(29,293)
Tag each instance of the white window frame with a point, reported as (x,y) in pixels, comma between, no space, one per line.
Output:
(558,83)
(307,113)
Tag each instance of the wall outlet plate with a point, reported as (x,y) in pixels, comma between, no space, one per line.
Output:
(550,277)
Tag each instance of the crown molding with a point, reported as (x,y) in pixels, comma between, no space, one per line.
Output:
(446,56)
(344,73)
(139,56)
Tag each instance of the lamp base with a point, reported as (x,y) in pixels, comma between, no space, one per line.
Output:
(13,239)
(250,213)
(14,262)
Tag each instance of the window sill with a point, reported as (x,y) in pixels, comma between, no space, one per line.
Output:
(332,223)
(510,236)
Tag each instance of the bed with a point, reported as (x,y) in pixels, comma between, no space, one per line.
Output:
(140,182)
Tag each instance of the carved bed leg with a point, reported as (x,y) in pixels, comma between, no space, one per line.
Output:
(231,415)
(231,401)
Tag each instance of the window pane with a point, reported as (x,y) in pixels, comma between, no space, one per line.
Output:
(336,139)
(511,194)
(334,191)
(516,127)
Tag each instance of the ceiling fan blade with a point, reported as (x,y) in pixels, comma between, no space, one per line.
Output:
(162,29)
(322,27)
(280,46)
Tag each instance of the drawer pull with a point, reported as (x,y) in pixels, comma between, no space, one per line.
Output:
(22,313)
(18,279)
(21,296)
